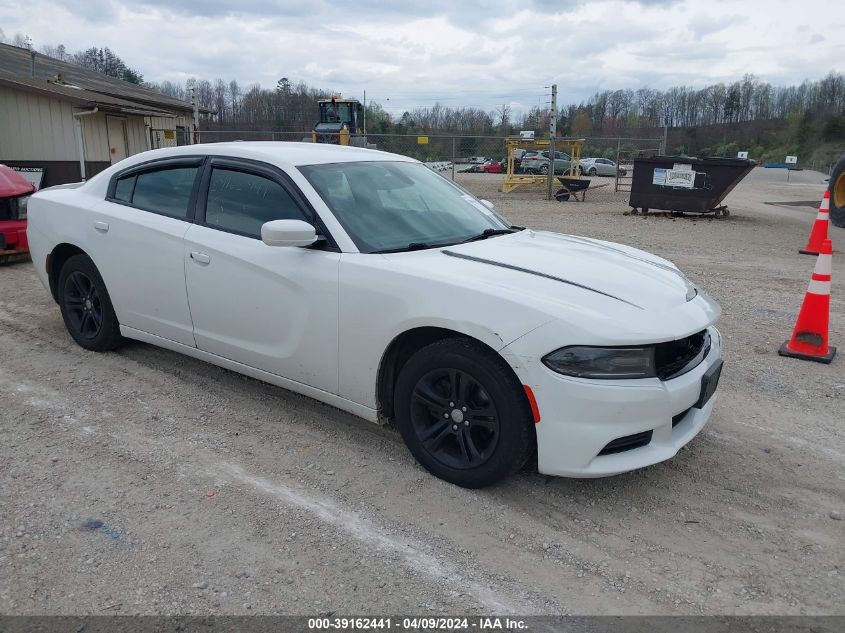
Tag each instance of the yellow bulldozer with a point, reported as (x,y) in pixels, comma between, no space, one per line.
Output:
(341,122)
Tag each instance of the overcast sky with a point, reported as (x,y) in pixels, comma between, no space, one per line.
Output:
(474,53)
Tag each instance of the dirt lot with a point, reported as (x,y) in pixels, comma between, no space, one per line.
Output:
(142,481)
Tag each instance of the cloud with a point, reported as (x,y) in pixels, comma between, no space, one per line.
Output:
(476,53)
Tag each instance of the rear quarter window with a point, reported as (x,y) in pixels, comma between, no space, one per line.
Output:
(123,189)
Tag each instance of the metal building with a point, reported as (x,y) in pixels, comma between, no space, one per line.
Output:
(61,123)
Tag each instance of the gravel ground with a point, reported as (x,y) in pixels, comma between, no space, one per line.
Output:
(141,481)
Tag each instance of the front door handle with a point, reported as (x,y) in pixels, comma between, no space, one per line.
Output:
(200,258)
(102,227)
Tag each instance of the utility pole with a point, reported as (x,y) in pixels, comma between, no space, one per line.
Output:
(552,133)
(196,114)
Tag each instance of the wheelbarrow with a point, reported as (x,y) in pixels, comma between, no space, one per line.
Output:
(572,187)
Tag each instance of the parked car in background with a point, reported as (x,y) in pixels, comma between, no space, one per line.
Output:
(600,167)
(494,166)
(520,155)
(367,281)
(539,163)
(14,196)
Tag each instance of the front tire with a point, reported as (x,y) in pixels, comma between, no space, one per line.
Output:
(86,306)
(463,414)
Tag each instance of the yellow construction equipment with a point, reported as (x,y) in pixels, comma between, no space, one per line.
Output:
(341,122)
(570,146)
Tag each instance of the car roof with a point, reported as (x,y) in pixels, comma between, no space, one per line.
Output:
(282,153)
(286,155)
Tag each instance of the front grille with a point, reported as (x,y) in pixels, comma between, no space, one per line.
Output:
(675,358)
(627,443)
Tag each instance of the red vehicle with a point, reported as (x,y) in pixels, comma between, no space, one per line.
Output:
(14,193)
(492,167)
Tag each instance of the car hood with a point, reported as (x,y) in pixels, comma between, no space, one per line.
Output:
(564,268)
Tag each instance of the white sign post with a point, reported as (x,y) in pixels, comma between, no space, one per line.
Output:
(790,160)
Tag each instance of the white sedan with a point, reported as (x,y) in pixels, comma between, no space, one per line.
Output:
(365,280)
(601,167)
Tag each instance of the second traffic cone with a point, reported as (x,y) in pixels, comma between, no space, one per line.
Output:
(818,234)
(809,338)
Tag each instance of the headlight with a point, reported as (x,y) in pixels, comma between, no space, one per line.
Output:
(602,362)
(23,203)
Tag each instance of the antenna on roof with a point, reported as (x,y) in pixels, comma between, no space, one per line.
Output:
(32,63)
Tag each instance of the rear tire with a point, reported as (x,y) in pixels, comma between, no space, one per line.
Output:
(86,306)
(463,414)
(837,193)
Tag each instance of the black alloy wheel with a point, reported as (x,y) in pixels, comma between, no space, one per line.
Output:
(86,306)
(463,413)
(454,418)
(83,304)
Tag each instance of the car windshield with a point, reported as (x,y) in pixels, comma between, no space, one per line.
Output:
(399,205)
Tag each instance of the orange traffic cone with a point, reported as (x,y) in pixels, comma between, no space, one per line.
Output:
(809,338)
(819,232)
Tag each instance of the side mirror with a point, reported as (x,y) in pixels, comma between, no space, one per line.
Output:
(288,233)
(487,204)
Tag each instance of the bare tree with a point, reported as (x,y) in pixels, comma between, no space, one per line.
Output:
(22,41)
(503,115)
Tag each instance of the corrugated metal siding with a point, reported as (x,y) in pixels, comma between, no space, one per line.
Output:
(167,122)
(96,137)
(33,127)
(38,128)
(161,122)
(157,126)
(136,133)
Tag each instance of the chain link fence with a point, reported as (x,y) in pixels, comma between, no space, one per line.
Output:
(477,162)
(169,138)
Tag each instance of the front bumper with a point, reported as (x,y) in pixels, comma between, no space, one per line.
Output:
(13,237)
(580,417)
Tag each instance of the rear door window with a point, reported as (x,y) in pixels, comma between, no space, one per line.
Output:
(165,191)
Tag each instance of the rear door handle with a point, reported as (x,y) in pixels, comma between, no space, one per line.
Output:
(102,227)
(200,258)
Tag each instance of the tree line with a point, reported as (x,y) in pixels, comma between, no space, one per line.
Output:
(292,106)
(741,101)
